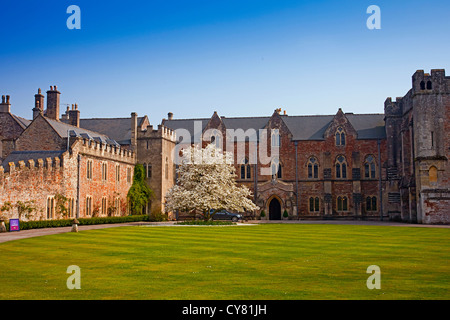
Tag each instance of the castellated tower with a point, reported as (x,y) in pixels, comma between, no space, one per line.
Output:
(431,125)
(417,127)
(155,152)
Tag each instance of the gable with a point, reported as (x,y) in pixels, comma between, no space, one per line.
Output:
(39,135)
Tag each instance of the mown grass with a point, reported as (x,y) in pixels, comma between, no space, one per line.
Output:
(232,262)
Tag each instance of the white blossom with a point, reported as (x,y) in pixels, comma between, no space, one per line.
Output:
(206,180)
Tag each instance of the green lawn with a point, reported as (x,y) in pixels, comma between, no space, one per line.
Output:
(276,261)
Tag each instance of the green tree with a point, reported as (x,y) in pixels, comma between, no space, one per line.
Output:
(139,193)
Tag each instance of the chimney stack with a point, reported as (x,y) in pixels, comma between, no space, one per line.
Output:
(5,106)
(53,103)
(134,131)
(170,115)
(74,116)
(38,104)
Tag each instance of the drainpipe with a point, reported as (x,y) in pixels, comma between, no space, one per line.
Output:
(379,180)
(256,171)
(68,140)
(296,177)
(78,186)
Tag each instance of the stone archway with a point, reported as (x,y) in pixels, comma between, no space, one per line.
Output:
(274,209)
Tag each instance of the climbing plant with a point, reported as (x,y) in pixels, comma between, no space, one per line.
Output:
(140,193)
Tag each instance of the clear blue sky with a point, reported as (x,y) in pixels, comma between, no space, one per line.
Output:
(237,57)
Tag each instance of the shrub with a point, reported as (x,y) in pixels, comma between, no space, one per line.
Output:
(263,214)
(285,214)
(158,217)
(26,225)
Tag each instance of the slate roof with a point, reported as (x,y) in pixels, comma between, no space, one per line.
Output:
(21,121)
(118,129)
(63,129)
(17,156)
(367,126)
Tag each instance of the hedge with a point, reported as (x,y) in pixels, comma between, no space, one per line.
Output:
(26,225)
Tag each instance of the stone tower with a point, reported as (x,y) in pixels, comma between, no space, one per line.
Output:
(431,114)
(155,152)
(417,127)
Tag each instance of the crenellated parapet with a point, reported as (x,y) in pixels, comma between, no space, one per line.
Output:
(27,168)
(161,132)
(104,150)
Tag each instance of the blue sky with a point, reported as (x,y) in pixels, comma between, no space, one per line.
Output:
(240,58)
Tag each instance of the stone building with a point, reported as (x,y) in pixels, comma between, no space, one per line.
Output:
(55,163)
(417,128)
(326,167)
(391,166)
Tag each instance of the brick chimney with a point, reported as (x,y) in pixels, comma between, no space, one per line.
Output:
(53,103)
(5,106)
(38,104)
(170,116)
(74,116)
(134,131)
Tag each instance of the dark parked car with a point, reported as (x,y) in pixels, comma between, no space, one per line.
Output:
(225,215)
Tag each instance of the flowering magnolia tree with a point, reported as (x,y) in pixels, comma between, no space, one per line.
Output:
(206,182)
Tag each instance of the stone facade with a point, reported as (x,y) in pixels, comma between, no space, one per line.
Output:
(298,182)
(54,164)
(417,127)
(343,166)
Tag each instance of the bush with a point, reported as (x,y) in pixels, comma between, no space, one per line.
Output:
(263,214)
(285,214)
(158,217)
(26,225)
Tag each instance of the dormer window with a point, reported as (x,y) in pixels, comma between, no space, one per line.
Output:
(340,137)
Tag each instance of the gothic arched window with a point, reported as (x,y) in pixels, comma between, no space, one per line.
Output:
(216,138)
(276,168)
(369,167)
(341,168)
(340,137)
(314,204)
(313,168)
(342,204)
(276,138)
(245,170)
(371,204)
(433,174)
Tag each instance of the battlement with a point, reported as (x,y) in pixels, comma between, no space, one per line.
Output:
(393,108)
(101,149)
(42,164)
(434,82)
(161,132)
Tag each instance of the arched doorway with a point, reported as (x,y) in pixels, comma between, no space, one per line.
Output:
(274,209)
